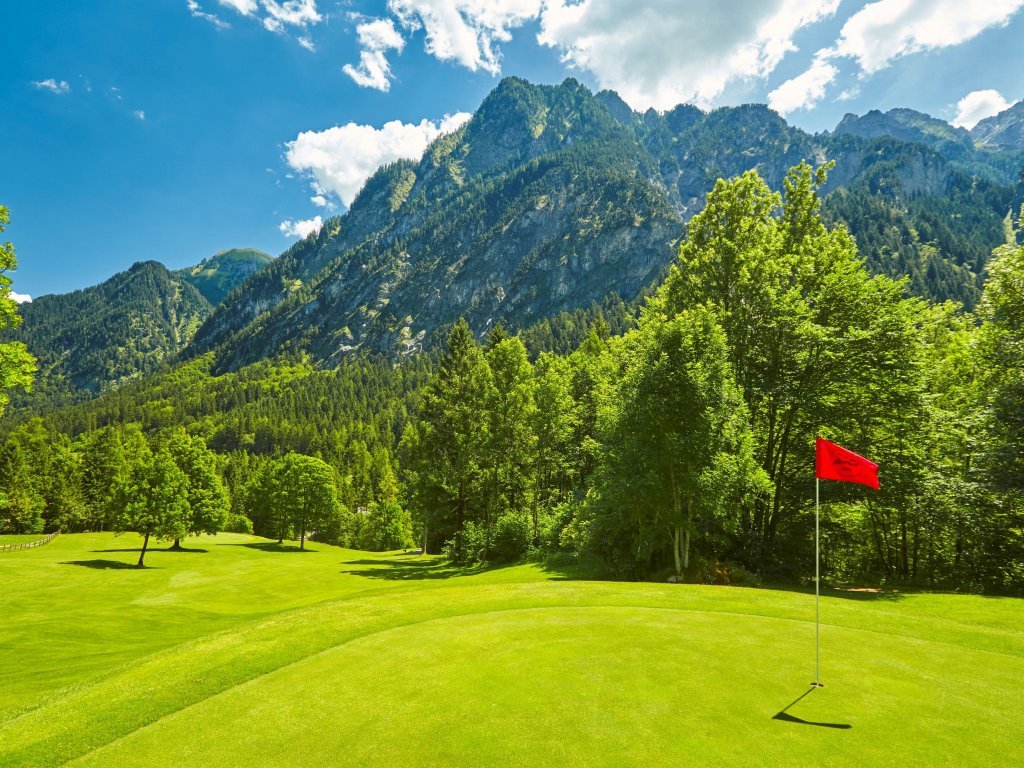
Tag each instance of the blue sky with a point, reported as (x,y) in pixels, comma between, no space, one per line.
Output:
(170,129)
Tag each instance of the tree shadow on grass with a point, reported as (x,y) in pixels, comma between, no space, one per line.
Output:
(784,715)
(113,565)
(409,568)
(861,594)
(183,550)
(268,546)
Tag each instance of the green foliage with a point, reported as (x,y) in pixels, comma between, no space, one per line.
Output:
(102,336)
(294,494)
(207,499)
(154,500)
(385,527)
(17,366)
(237,524)
(447,451)
(676,450)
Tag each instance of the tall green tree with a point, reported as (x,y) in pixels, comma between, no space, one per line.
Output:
(510,440)
(447,450)
(207,500)
(104,467)
(675,437)
(17,366)
(306,492)
(808,333)
(552,423)
(1002,350)
(155,501)
(21,501)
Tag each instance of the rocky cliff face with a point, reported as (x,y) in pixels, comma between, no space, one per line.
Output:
(543,202)
(551,198)
(1002,131)
(908,125)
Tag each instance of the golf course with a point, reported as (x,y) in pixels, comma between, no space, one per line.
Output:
(240,652)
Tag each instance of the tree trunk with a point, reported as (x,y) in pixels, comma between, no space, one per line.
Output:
(686,538)
(176,545)
(302,537)
(142,555)
(424,550)
(675,553)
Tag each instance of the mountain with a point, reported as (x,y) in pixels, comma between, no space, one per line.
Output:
(1003,131)
(543,202)
(127,326)
(117,330)
(215,277)
(550,201)
(908,125)
(551,198)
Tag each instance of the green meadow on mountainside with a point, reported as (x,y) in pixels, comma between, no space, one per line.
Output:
(238,651)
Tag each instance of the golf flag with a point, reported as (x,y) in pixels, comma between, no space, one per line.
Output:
(833,462)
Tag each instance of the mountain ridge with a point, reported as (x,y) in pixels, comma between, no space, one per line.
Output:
(550,198)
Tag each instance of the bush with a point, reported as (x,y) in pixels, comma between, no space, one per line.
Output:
(466,547)
(385,527)
(511,538)
(337,529)
(238,524)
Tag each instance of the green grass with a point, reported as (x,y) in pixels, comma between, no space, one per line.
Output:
(244,655)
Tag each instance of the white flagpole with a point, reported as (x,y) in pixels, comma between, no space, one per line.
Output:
(817,586)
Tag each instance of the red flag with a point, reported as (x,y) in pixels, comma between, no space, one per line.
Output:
(833,462)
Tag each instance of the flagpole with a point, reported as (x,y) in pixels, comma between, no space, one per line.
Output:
(817,586)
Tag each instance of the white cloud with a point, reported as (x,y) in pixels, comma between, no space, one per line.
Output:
(803,90)
(21,298)
(319,201)
(306,43)
(886,30)
(340,159)
(246,7)
(977,105)
(465,31)
(199,13)
(657,54)
(376,38)
(60,87)
(277,15)
(297,13)
(140,114)
(301,229)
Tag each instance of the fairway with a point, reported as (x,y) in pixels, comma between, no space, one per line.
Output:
(244,653)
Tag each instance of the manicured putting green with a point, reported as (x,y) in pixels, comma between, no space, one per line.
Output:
(608,686)
(404,661)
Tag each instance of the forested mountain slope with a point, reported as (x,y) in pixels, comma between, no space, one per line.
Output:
(216,276)
(117,330)
(127,326)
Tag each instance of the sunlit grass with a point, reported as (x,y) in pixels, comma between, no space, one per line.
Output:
(246,655)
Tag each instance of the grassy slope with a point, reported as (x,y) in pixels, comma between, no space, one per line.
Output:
(245,656)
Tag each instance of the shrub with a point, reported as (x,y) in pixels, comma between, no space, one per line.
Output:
(511,538)
(238,524)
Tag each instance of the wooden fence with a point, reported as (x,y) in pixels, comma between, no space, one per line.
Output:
(27,544)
